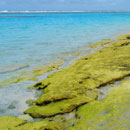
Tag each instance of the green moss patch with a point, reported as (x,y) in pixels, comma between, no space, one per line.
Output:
(111,113)
(14,123)
(60,107)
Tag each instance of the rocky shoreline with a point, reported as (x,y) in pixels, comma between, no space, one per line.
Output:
(70,99)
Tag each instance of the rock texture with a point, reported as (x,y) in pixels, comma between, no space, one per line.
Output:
(75,85)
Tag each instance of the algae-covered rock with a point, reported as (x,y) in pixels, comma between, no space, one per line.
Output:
(14,123)
(12,68)
(89,72)
(43,70)
(60,107)
(100,44)
(17,79)
(124,37)
(121,43)
(30,102)
(11,106)
(42,125)
(111,113)
(7,122)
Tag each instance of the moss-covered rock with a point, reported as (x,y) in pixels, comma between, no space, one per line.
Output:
(69,85)
(42,125)
(7,122)
(124,37)
(43,70)
(30,102)
(111,113)
(100,44)
(17,79)
(121,43)
(60,107)
(14,123)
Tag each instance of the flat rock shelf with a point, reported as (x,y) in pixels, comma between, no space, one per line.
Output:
(71,96)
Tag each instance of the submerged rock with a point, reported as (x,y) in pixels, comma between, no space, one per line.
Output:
(11,106)
(100,43)
(26,117)
(43,70)
(30,102)
(12,68)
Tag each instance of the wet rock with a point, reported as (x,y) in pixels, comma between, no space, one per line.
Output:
(14,123)
(60,107)
(7,122)
(100,43)
(43,70)
(69,116)
(59,118)
(26,117)
(2,110)
(124,37)
(30,102)
(11,106)
(12,68)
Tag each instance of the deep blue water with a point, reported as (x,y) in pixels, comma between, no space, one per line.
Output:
(40,38)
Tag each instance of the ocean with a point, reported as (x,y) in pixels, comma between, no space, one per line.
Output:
(30,40)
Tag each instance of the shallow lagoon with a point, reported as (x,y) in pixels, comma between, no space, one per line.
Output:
(38,39)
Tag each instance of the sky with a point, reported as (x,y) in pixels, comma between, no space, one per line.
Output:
(65,5)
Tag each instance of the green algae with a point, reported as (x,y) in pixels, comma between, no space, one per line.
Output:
(17,79)
(60,107)
(124,37)
(14,123)
(111,113)
(24,76)
(30,102)
(121,43)
(100,44)
(92,71)
(42,126)
(7,122)
(45,69)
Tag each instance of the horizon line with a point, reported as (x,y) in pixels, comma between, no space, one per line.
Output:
(38,11)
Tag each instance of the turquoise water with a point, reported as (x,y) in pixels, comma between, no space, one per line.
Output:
(34,39)
(30,40)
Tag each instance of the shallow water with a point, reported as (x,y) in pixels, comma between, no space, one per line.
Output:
(41,38)
(31,40)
